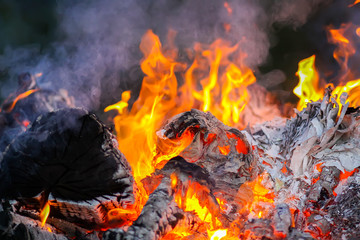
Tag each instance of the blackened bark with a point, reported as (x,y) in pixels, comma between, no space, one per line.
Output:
(68,153)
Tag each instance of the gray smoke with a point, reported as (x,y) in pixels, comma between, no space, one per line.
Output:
(98,40)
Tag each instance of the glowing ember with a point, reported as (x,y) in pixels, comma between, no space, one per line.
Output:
(346,174)
(44,214)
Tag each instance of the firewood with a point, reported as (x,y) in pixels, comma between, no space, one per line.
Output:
(221,150)
(159,216)
(15,226)
(70,154)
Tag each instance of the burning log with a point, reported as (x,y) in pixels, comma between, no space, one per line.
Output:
(71,155)
(221,150)
(158,217)
(15,226)
(161,214)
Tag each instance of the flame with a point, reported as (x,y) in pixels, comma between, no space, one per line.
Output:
(122,105)
(354,3)
(19,97)
(307,89)
(216,81)
(218,234)
(37,75)
(44,214)
(344,49)
(256,198)
(189,202)
(358,31)
(136,128)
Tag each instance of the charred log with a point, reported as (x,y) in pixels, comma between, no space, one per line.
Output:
(70,154)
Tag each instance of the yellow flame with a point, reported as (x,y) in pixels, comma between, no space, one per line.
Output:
(218,234)
(44,214)
(123,104)
(307,89)
(160,98)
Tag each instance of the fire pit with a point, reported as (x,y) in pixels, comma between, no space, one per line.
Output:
(203,152)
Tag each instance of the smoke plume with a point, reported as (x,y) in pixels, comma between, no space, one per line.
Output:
(98,40)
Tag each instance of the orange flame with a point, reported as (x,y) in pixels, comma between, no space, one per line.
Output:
(344,49)
(19,97)
(222,91)
(354,3)
(308,88)
(44,214)
(228,8)
(256,198)
(122,105)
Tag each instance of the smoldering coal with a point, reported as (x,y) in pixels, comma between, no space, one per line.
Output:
(98,40)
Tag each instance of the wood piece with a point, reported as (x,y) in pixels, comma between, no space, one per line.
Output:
(70,154)
(159,216)
(190,175)
(14,226)
(282,220)
(221,150)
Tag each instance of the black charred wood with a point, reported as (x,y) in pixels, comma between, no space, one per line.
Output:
(68,153)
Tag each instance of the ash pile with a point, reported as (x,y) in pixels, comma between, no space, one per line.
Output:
(63,177)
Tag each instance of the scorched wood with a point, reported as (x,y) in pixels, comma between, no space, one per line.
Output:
(159,216)
(220,149)
(70,154)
